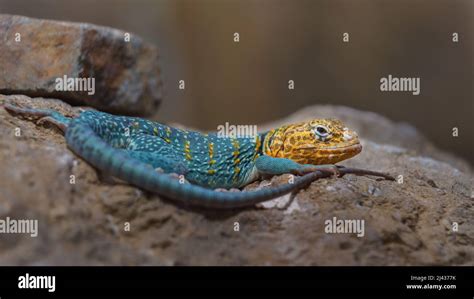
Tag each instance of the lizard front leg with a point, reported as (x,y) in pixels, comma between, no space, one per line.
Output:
(277,166)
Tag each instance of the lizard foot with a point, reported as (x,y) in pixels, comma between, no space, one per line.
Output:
(179,177)
(326,169)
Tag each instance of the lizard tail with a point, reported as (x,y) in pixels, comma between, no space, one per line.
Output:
(86,143)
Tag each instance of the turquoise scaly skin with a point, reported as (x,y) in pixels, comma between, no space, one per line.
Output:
(132,149)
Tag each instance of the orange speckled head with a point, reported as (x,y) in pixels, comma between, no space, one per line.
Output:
(319,141)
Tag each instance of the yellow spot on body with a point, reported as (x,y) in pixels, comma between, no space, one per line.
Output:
(211,150)
(235,143)
(155,130)
(258,144)
(236,154)
(187,149)
(168,140)
(211,155)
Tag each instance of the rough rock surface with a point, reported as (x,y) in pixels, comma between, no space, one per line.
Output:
(409,223)
(127,75)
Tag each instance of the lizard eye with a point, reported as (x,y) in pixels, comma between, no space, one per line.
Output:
(321,131)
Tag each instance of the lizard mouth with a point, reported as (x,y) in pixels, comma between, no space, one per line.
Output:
(335,150)
(345,148)
(329,155)
(349,150)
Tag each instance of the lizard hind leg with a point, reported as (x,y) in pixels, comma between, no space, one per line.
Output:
(44,115)
(161,163)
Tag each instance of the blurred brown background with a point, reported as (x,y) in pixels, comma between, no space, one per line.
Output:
(281,40)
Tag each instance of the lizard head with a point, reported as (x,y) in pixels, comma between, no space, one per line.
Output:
(319,141)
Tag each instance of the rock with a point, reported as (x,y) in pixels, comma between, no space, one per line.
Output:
(127,75)
(405,223)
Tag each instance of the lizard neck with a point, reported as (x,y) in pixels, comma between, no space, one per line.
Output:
(273,141)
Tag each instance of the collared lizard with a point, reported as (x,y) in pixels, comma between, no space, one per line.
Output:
(133,149)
